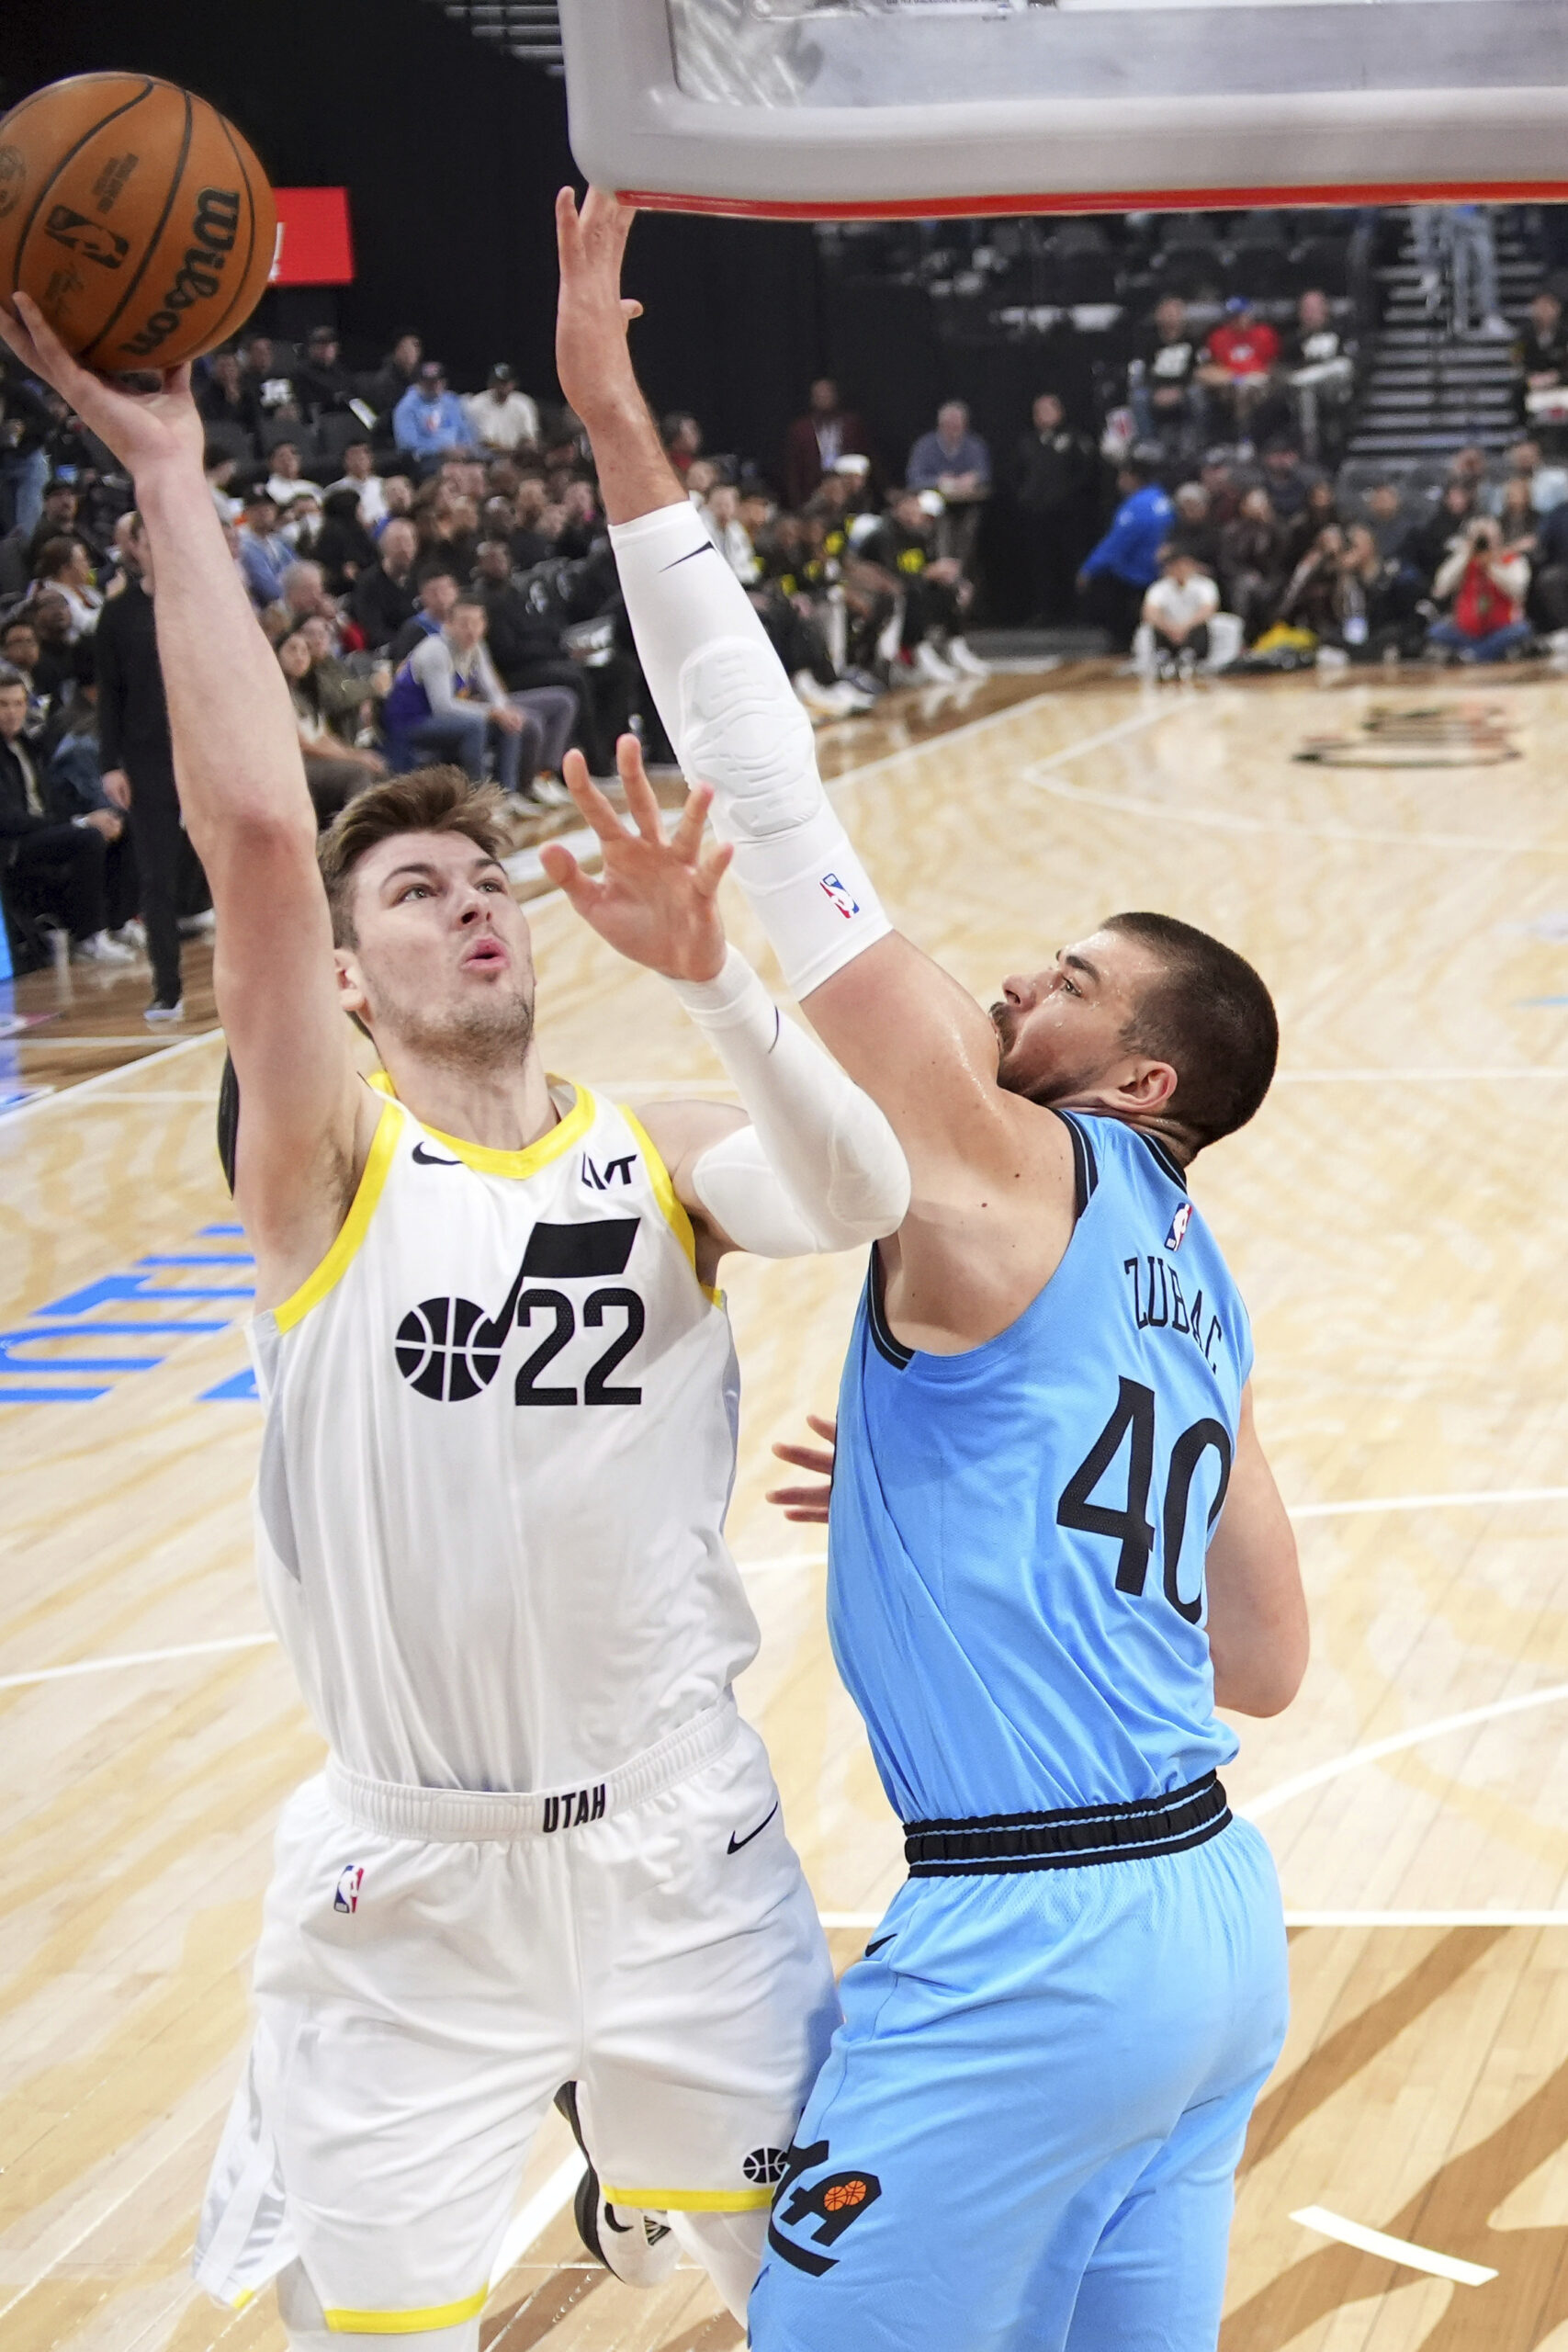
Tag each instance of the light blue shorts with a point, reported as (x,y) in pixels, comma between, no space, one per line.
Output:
(1027,2129)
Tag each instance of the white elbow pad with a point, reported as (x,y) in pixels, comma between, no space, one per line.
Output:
(819,1167)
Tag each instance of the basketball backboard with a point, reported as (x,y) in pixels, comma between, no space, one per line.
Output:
(844,109)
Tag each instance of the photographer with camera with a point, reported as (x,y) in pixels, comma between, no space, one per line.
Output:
(1483,584)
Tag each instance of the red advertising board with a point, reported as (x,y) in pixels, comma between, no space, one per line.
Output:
(314,246)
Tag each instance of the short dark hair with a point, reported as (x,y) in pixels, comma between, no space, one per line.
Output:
(1207,1015)
(54,555)
(427,801)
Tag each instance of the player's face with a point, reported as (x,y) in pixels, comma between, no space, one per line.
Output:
(442,962)
(1062,1031)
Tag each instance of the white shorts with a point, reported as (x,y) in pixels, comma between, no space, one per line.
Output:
(420,1997)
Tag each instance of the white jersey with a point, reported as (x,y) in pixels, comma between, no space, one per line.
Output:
(500,1443)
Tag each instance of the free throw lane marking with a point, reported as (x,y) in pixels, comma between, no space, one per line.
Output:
(535,2218)
(1413,2257)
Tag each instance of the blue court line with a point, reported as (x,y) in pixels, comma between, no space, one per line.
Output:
(1540,999)
(51,1396)
(240,1390)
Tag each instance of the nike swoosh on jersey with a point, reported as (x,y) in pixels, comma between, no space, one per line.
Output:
(433,1158)
(735,1843)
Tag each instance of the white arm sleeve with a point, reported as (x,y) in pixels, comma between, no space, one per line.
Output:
(818,1168)
(735,722)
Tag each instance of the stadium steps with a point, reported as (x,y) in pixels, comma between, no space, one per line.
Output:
(528,29)
(1427,392)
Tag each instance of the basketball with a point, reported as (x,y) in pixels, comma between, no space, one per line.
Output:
(135,216)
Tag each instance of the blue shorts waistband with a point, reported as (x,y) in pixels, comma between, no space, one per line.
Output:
(1069,1839)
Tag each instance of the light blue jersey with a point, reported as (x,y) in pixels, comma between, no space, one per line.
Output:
(1016,1590)
(1025,2134)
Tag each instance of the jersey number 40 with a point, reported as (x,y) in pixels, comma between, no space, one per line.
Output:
(1129,1523)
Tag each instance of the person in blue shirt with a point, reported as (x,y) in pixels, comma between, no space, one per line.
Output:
(1056,1547)
(430,420)
(1117,573)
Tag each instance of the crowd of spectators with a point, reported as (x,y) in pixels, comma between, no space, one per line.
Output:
(436,573)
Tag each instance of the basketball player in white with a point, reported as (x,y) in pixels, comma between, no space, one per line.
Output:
(500,1403)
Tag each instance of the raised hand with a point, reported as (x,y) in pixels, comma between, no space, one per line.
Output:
(592,315)
(145,430)
(809,1505)
(656,900)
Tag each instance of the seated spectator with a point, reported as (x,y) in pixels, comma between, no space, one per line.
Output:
(55,667)
(1386,518)
(895,555)
(1177,610)
(1312,600)
(334,771)
(1547,486)
(438,592)
(580,521)
(955,462)
(397,372)
(1541,354)
(20,550)
(1484,585)
(288,479)
(270,386)
(446,703)
(359,475)
(54,866)
(429,419)
(1056,471)
(721,512)
(264,556)
(1193,530)
(1238,364)
(501,417)
(19,652)
(323,385)
(221,466)
(1252,562)
(1318,366)
(382,599)
(398,492)
(1224,491)
(1548,603)
(1429,543)
(817,441)
(1293,490)
(525,635)
(1368,605)
(1163,390)
(1313,510)
(64,566)
(299,522)
(304,590)
(343,547)
(1118,572)
(228,397)
(682,439)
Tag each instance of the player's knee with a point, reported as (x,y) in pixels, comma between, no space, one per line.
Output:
(743,731)
(308,2328)
(729,2247)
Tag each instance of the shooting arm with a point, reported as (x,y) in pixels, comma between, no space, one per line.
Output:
(1259,1636)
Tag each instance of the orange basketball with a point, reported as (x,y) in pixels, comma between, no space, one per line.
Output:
(135,216)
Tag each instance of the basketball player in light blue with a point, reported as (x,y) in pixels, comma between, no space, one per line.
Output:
(1056,1546)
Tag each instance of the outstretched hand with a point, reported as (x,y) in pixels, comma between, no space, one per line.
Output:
(592,315)
(809,1504)
(144,429)
(656,900)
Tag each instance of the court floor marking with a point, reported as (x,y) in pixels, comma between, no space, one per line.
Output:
(532,2220)
(1128,804)
(108,1077)
(1501,1076)
(1400,2250)
(1302,1783)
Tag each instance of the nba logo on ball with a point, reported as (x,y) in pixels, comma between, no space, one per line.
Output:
(844,899)
(1178,1224)
(349,1884)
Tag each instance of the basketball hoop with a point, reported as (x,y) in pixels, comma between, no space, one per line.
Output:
(839,109)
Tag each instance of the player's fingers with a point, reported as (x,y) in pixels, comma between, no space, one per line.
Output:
(806,1457)
(810,1518)
(825,1424)
(569,233)
(590,801)
(641,804)
(687,837)
(568,877)
(630,310)
(710,872)
(803,1497)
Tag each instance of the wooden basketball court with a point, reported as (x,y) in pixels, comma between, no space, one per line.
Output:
(1395,1217)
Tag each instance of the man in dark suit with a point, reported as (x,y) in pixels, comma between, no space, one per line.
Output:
(54,866)
(816,442)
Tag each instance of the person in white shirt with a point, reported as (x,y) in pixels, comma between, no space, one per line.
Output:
(65,565)
(288,479)
(503,418)
(359,475)
(721,512)
(1178,609)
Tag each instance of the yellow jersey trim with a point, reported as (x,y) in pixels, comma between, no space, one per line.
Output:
(353,1229)
(690,2201)
(407,2323)
(680,1224)
(572,1124)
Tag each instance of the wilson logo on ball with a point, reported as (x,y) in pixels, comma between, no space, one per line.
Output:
(214,232)
(88,238)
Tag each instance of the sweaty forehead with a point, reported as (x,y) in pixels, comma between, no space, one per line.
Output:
(1124,966)
(447,853)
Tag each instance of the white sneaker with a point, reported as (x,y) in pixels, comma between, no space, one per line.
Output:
(157,1011)
(550,792)
(968,665)
(1494,327)
(824,703)
(201,927)
(132,934)
(930,669)
(100,949)
(1186,665)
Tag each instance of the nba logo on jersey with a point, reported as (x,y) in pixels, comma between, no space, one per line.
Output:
(348,1886)
(845,901)
(1178,1224)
